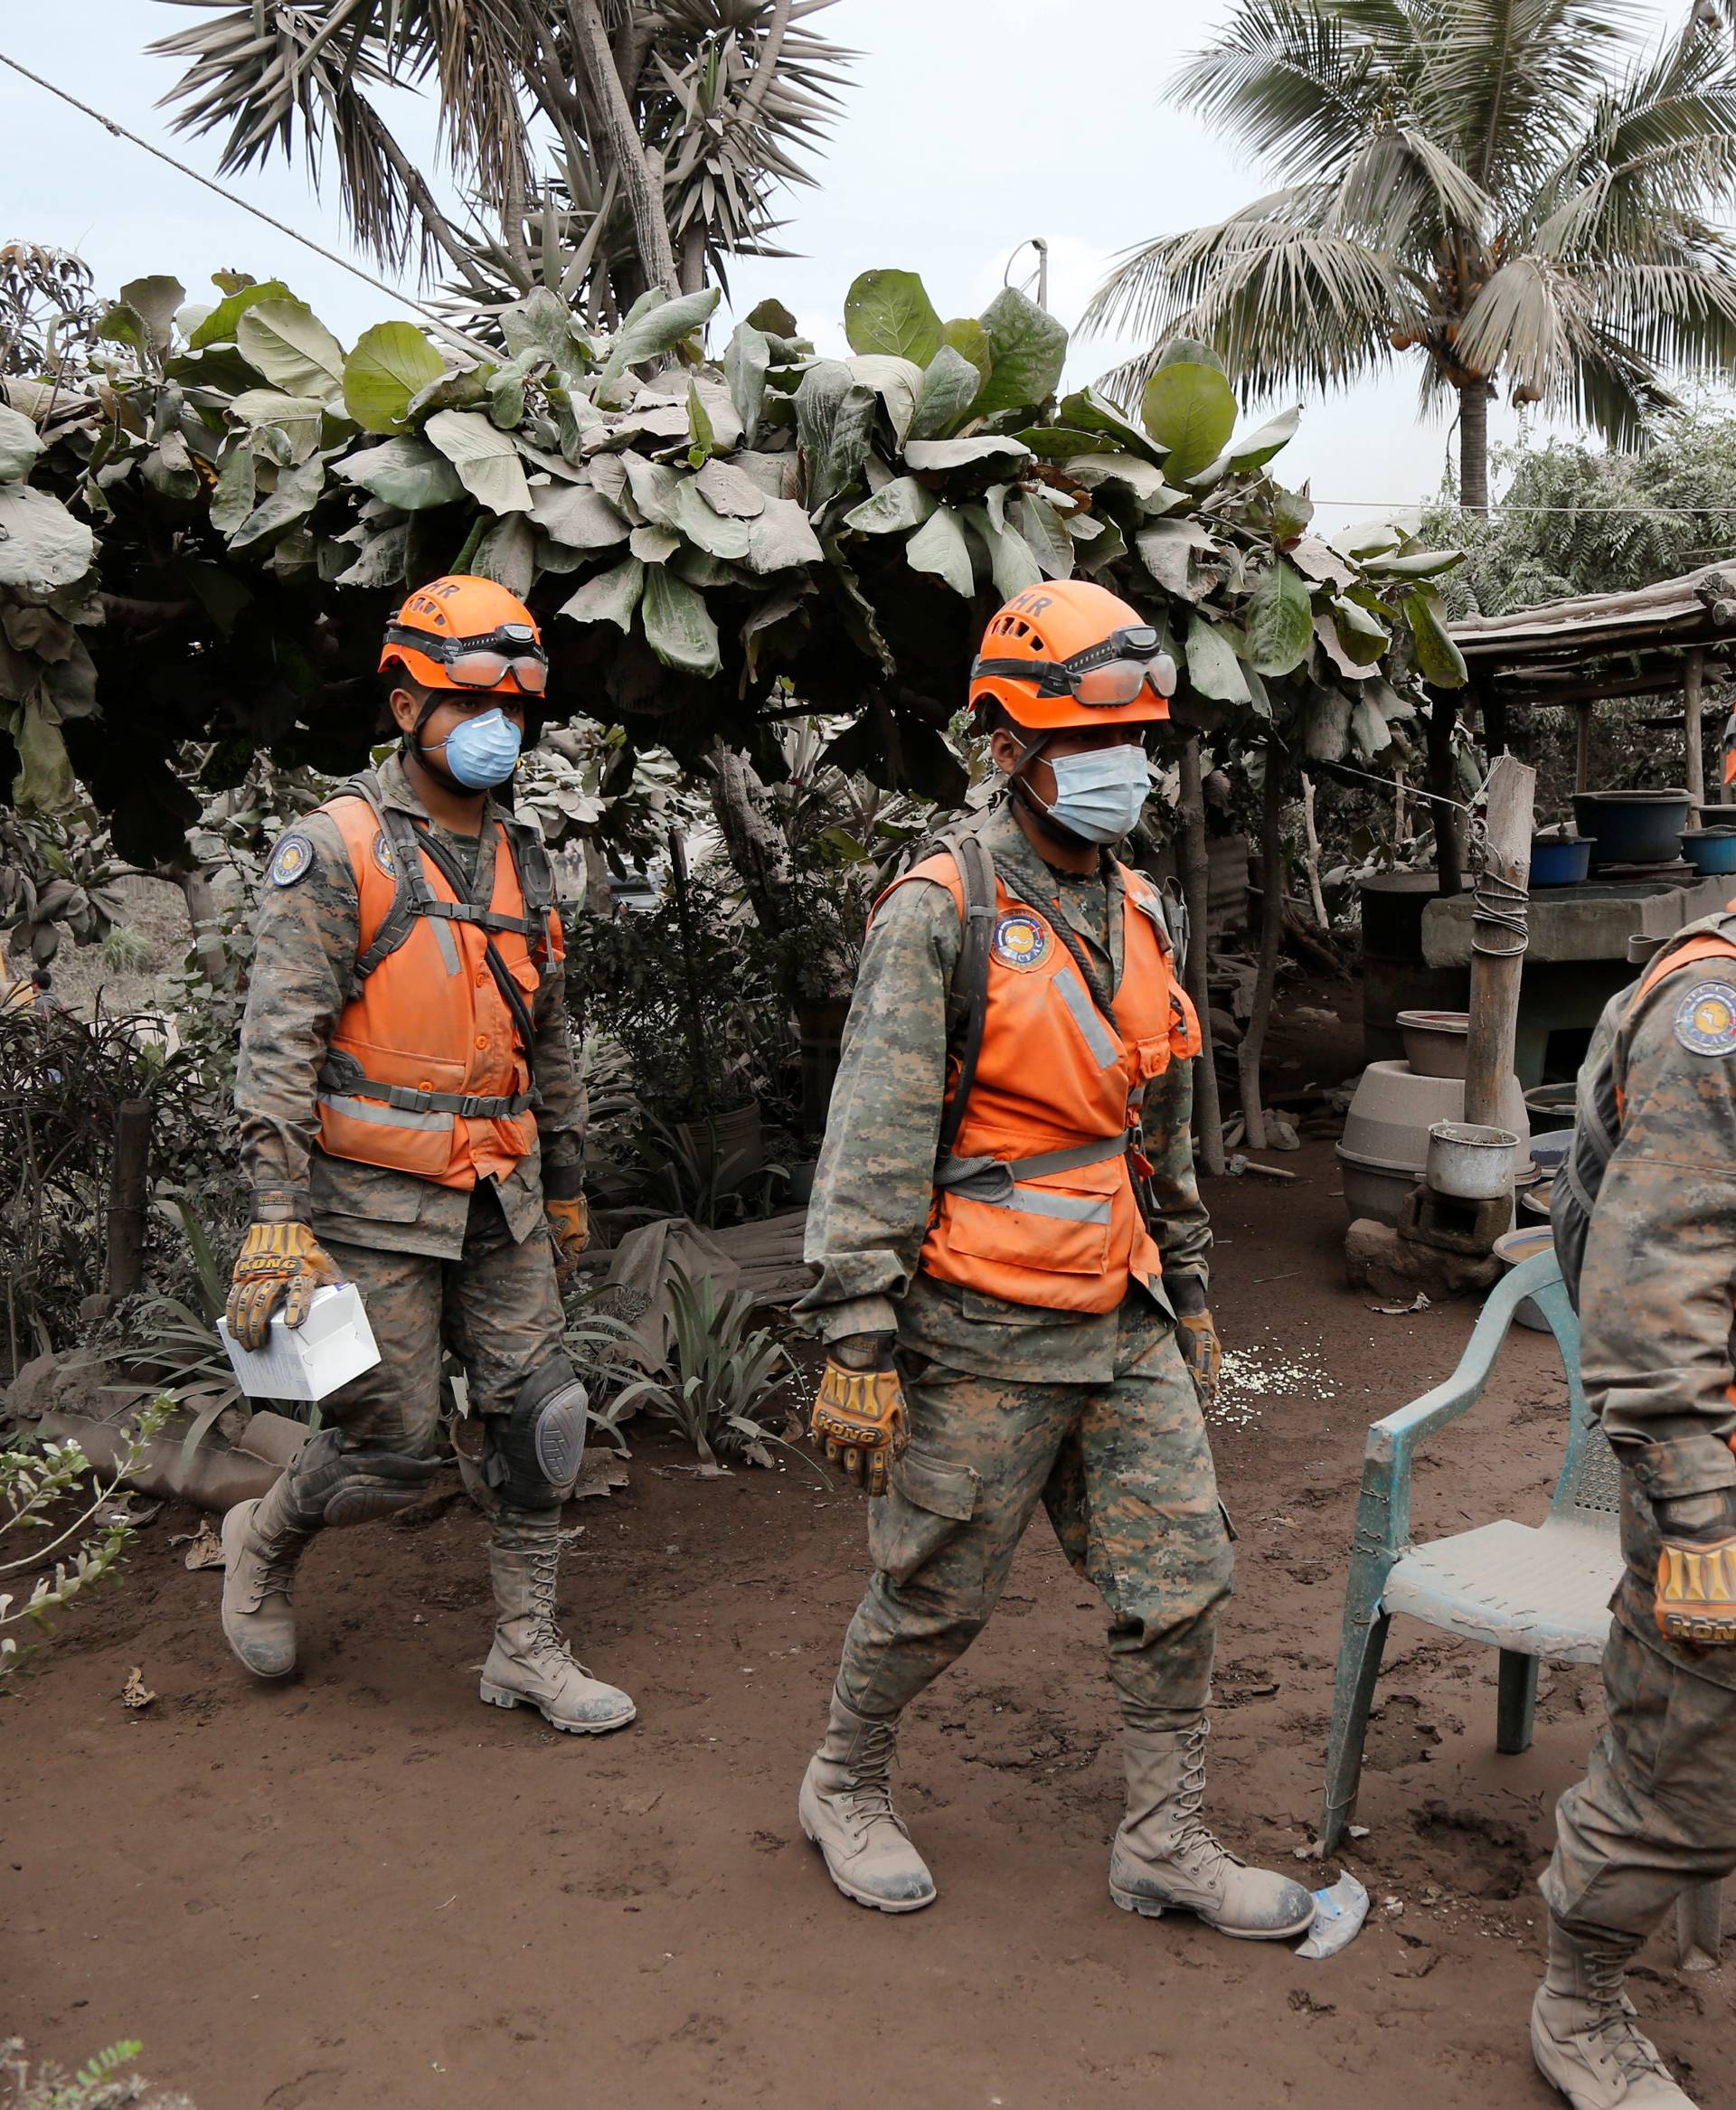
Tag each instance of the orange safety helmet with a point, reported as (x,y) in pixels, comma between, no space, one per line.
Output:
(462,632)
(1067,654)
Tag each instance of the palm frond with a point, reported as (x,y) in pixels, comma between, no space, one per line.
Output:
(1296,83)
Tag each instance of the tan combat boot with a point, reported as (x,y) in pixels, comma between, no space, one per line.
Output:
(847,1810)
(1164,1860)
(530,1664)
(1583,2034)
(262,1541)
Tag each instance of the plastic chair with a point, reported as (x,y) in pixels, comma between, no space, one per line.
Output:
(1531,1591)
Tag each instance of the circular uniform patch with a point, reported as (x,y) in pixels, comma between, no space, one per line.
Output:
(1020,939)
(382,854)
(1705,1019)
(291,861)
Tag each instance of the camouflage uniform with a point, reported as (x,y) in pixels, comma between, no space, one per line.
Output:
(1093,1414)
(473,1268)
(1656,1812)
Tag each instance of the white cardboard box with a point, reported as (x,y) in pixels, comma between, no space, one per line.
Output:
(332,1345)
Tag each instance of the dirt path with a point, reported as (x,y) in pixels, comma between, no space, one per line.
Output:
(365,1890)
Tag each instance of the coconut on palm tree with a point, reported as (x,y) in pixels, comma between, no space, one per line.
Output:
(1516,191)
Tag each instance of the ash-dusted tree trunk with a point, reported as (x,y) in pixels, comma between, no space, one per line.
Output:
(643,182)
(1208,1115)
(1474,446)
(1271,930)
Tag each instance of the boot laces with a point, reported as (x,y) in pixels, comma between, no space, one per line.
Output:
(1192,1841)
(868,1790)
(545,1639)
(1615,2028)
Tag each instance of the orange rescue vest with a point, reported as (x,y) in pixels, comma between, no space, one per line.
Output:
(1035,1201)
(429,1069)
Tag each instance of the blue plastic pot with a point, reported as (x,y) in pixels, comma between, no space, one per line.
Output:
(1558,862)
(1710,849)
(1632,827)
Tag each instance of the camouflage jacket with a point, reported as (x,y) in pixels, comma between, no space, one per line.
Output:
(306,936)
(875,1183)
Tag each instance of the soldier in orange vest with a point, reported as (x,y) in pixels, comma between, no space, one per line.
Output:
(1013,1265)
(411,1123)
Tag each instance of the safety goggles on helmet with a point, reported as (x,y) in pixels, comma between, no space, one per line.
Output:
(1104,676)
(486,662)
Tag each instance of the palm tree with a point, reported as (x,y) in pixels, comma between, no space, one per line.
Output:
(607,146)
(1514,189)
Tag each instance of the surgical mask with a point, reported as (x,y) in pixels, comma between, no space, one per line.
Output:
(1101,794)
(482,751)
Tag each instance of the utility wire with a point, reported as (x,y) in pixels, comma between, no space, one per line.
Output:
(120,132)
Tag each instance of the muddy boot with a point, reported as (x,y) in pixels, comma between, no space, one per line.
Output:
(1164,1860)
(530,1664)
(262,1541)
(1583,2034)
(847,1810)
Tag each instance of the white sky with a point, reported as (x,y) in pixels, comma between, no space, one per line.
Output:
(971,125)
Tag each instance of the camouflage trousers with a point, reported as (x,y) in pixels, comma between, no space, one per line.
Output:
(1655,1812)
(1125,1472)
(496,1307)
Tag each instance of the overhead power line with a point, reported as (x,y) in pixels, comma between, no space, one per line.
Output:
(427,315)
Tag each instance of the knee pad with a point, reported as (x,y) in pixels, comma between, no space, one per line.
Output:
(333,1483)
(532,1453)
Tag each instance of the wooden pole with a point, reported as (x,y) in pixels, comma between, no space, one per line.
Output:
(1208,1118)
(1498,937)
(127,1190)
(1694,678)
(1311,863)
(1582,753)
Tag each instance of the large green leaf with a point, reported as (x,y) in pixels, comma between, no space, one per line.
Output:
(1127,472)
(1362,634)
(406,472)
(155,301)
(218,325)
(1166,550)
(392,363)
(1439,660)
(19,443)
(610,596)
(575,514)
(41,545)
(233,497)
(381,558)
(678,626)
(1091,412)
(1041,525)
(898,383)
(950,387)
(486,459)
(1370,734)
(746,362)
(708,530)
(834,421)
(1253,450)
(1415,564)
(782,536)
(1213,667)
(655,487)
(1279,621)
(940,546)
(1012,563)
(282,509)
(901,503)
(967,337)
(773,318)
(731,490)
(542,326)
(45,782)
(1190,411)
(286,342)
(654,328)
(986,452)
(1328,733)
(891,312)
(507,554)
(1029,348)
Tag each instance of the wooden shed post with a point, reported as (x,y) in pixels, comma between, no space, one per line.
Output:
(1693,676)
(1498,937)
(1582,756)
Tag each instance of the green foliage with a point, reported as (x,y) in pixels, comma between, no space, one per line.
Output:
(82,1546)
(98,2084)
(718,1374)
(700,543)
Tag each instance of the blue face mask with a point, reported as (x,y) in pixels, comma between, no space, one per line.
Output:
(1100,795)
(482,751)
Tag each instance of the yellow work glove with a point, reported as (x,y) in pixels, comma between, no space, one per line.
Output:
(1695,1602)
(279,1263)
(1196,1335)
(858,1412)
(569,1228)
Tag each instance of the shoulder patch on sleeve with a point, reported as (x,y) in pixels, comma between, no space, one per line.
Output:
(292,859)
(1705,1019)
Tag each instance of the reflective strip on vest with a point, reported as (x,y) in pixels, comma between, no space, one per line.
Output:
(387,1116)
(1087,1017)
